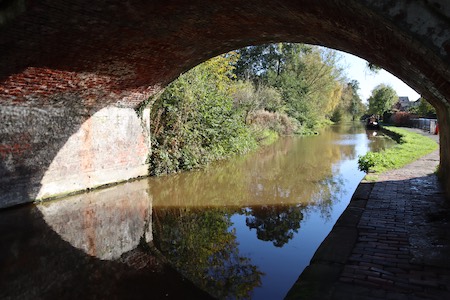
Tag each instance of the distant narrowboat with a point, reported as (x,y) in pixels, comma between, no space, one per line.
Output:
(372,123)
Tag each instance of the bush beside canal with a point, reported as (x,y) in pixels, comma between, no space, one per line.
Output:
(193,122)
(410,147)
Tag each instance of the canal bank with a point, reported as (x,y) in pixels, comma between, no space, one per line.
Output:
(244,222)
(392,241)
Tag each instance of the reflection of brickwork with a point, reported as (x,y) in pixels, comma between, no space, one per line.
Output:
(104,223)
(43,248)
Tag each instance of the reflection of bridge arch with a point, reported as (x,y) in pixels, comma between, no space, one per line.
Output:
(61,63)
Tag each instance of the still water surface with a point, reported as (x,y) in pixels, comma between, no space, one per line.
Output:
(244,228)
(248,227)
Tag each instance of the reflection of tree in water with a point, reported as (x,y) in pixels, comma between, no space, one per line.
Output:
(285,172)
(275,223)
(199,245)
(278,223)
(330,194)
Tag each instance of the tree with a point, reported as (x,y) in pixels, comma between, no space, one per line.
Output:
(350,106)
(382,98)
(357,108)
(255,62)
(307,77)
(373,67)
(424,109)
(249,98)
(245,99)
(193,121)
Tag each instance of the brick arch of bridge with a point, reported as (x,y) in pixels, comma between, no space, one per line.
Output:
(72,73)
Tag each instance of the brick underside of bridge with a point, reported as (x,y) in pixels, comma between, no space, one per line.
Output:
(72,74)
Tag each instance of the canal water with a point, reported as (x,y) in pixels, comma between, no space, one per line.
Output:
(243,228)
(248,227)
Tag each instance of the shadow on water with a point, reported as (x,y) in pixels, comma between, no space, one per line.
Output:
(412,222)
(84,247)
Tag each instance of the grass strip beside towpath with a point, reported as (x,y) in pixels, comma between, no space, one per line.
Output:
(410,147)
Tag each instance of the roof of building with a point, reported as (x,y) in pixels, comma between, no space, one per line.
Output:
(403,100)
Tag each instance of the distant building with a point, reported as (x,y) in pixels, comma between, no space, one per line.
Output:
(403,104)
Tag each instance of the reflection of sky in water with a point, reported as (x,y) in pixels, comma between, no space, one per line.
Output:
(282,266)
(314,177)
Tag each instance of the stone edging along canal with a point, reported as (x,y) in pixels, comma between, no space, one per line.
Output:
(327,264)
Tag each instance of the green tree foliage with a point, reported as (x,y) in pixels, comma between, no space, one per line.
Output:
(424,109)
(373,67)
(382,99)
(263,110)
(249,98)
(306,77)
(193,121)
(229,103)
(350,106)
(255,61)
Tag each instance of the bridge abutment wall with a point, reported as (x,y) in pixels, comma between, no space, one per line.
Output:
(49,151)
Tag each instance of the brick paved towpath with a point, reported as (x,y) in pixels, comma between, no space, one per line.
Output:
(392,242)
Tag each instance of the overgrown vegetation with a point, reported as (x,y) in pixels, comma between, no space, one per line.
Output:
(410,147)
(193,122)
(233,102)
(307,77)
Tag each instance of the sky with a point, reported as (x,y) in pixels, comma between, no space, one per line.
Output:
(355,68)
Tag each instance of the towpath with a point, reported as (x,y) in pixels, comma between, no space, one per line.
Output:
(392,241)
